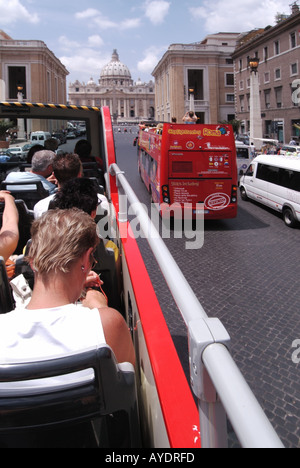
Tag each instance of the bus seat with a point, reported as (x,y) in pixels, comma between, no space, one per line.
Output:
(106,266)
(91,169)
(25,167)
(30,192)
(7,303)
(26,218)
(91,386)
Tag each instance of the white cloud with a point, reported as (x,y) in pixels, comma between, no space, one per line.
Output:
(67,44)
(104,23)
(157,10)
(238,16)
(85,63)
(151,59)
(13,11)
(86,14)
(95,41)
(131,23)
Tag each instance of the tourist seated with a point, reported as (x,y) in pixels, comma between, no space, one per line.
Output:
(51,144)
(84,150)
(34,149)
(9,233)
(78,193)
(41,170)
(65,167)
(54,323)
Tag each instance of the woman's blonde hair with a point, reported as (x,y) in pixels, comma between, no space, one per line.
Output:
(60,238)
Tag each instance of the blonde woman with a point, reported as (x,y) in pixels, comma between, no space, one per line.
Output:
(54,324)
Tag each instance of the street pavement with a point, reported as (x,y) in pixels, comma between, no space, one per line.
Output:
(247,275)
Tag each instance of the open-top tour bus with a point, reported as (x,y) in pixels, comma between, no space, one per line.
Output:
(167,411)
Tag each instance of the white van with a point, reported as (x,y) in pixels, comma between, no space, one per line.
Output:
(274,181)
(39,138)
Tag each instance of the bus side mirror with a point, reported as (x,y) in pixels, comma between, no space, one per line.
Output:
(241,172)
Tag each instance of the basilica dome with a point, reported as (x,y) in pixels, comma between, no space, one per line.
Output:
(115,70)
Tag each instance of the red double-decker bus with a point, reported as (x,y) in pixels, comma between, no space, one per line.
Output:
(190,166)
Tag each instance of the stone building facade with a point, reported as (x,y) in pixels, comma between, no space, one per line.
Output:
(278,50)
(128,101)
(206,69)
(33,67)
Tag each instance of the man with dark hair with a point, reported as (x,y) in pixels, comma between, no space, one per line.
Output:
(84,150)
(65,167)
(78,193)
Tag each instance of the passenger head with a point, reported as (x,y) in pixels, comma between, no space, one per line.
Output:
(60,239)
(66,167)
(83,148)
(77,193)
(51,144)
(42,162)
(34,149)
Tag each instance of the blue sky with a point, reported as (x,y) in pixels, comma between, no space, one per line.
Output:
(83,34)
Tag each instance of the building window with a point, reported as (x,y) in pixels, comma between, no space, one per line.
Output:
(266,53)
(293,40)
(277,74)
(242,103)
(278,95)
(16,77)
(196,82)
(241,85)
(229,79)
(229,97)
(294,69)
(276,48)
(268,98)
(267,77)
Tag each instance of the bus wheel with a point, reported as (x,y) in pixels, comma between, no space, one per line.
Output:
(243,194)
(289,218)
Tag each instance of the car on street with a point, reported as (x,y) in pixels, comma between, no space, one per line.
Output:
(17,151)
(288,149)
(71,135)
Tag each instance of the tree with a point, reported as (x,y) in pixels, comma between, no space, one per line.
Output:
(4,126)
(235,124)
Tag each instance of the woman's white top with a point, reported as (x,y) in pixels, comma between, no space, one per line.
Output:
(37,335)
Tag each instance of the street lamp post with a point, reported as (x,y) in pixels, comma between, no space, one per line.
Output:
(21,126)
(192,99)
(255,107)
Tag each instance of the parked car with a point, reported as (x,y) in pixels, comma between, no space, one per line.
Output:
(4,157)
(61,137)
(287,149)
(17,151)
(71,135)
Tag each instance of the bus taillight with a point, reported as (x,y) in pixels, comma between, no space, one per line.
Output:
(166,194)
(234,194)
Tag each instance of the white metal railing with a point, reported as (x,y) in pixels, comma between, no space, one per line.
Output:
(215,378)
